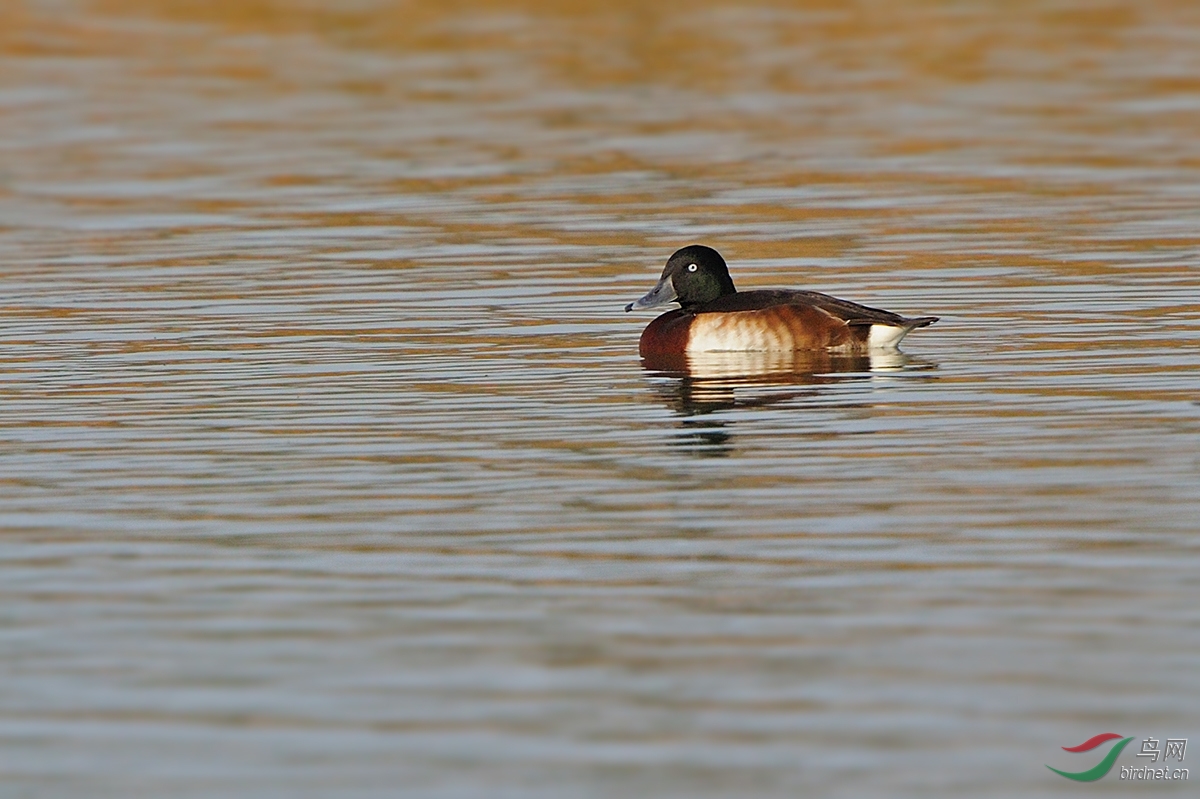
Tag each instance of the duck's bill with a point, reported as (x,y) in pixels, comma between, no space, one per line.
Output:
(661,294)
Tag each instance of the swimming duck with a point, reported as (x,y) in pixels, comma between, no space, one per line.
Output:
(715,316)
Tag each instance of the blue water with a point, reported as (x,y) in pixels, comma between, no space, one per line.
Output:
(328,466)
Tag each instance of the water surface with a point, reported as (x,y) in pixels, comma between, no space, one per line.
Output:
(328,465)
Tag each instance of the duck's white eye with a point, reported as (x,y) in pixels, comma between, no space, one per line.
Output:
(691,267)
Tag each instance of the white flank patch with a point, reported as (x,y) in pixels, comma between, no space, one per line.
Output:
(736,332)
(885,337)
(711,338)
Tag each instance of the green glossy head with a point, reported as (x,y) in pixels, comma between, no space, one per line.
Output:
(693,276)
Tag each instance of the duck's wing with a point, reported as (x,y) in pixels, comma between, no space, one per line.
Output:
(849,312)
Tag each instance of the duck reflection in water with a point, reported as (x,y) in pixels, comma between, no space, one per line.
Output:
(695,386)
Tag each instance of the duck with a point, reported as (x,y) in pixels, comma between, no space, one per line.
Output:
(713,316)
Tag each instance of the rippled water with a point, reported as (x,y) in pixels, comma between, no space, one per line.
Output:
(328,466)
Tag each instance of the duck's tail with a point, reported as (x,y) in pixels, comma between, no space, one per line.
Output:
(888,337)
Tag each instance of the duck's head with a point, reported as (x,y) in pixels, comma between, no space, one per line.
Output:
(693,276)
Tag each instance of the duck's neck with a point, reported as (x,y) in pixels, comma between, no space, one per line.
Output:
(709,289)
